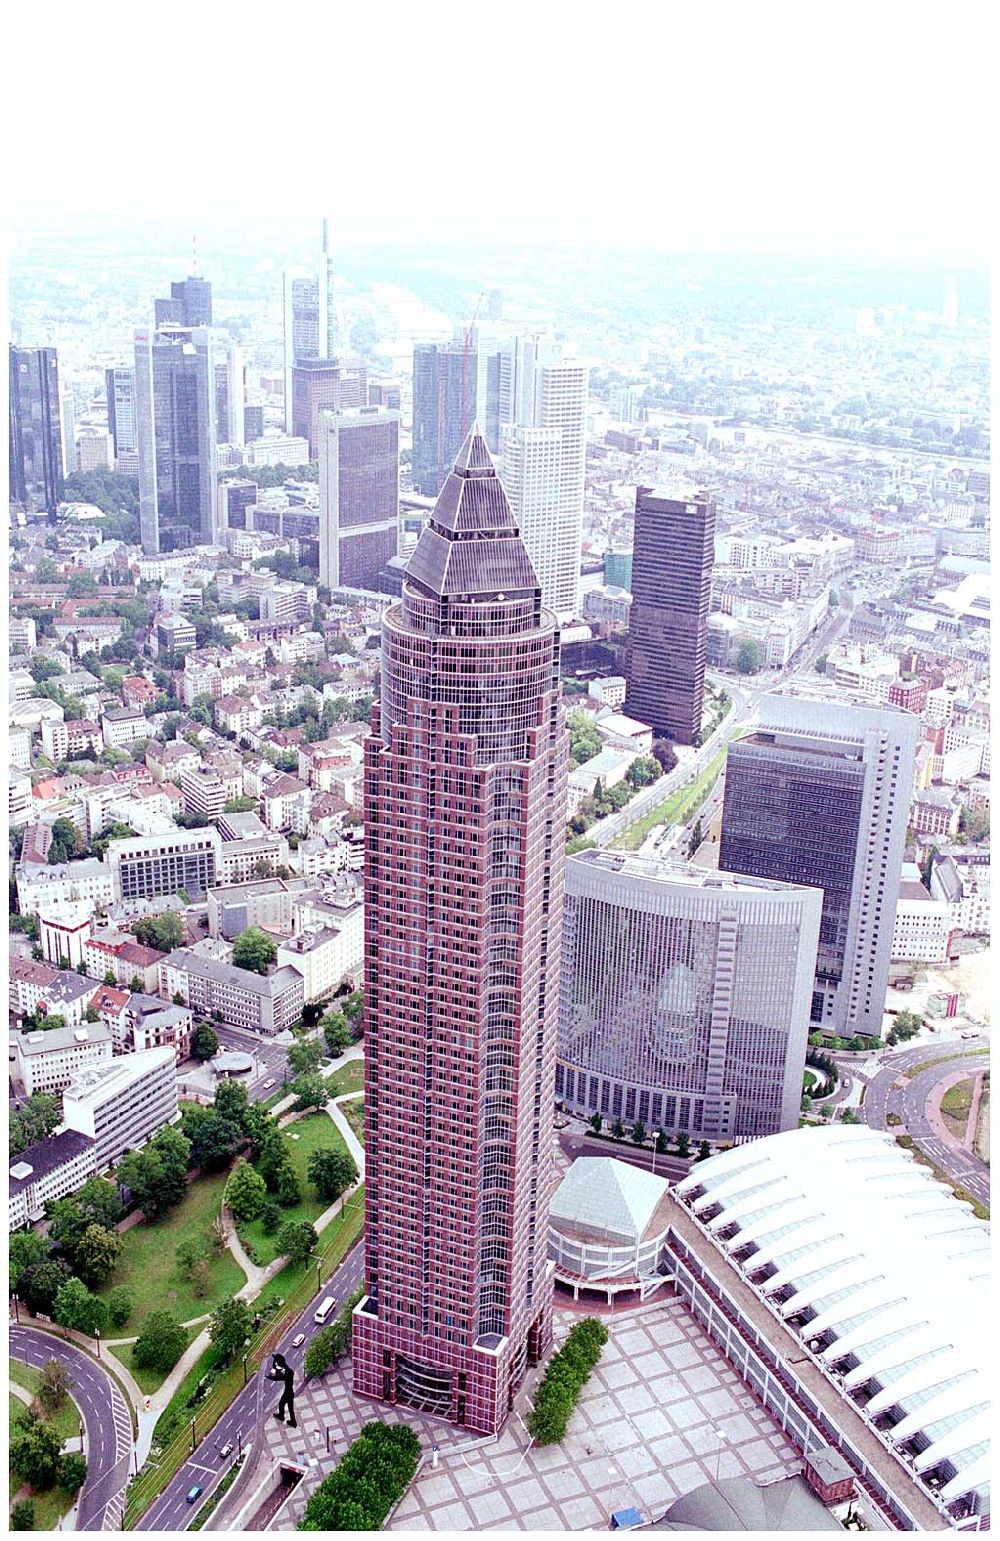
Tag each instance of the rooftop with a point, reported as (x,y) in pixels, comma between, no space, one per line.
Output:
(609,1199)
(31,1045)
(47,1156)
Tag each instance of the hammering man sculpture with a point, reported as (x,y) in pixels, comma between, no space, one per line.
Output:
(282,1370)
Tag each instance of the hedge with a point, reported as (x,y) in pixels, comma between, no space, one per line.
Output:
(372,1477)
(566,1376)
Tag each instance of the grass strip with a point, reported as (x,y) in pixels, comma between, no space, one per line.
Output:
(676,809)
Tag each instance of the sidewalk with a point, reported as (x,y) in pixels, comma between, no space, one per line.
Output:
(354,1145)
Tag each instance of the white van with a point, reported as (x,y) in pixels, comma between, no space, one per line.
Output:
(326,1306)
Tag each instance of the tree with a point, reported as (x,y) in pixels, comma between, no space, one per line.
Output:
(157,1176)
(187,1255)
(643,772)
(246,1191)
(76,1307)
(254,950)
(54,1384)
(704,1151)
(638,1133)
(684,1144)
(273,1157)
(618,1130)
(120,1305)
(96,1254)
(820,664)
(200,1278)
(304,1058)
(65,841)
(296,1240)
(217,1236)
(336,1033)
(661,1146)
(230,1327)
(311,1091)
(289,1189)
(40,1283)
(270,1218)
(331,1172)
(584,737)
(161,1342)
(22,1516)
(749,659)
(24,1250)
(39,1116)
(204,1041)
(214,1139)
(72,1472)
(164,932)
(34,1453)
(697,836)
(231,1102)
(596,1122)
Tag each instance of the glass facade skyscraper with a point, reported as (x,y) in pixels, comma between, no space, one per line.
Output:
(35,426)
(358,496)
(685,996)
(820,794)
(175,421)
(445,393)
(673,551)
(465,812)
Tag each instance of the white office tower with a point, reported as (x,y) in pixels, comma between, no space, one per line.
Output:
(543,420)
(230,394)
(67,428)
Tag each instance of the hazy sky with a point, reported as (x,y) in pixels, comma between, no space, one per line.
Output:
(839,127)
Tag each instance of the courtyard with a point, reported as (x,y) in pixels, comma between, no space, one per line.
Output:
(662,1413)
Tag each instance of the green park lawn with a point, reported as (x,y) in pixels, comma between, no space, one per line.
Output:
(316,1131)
(349,1078)
(149,1268)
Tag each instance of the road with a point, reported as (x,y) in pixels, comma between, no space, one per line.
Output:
(205,1467)
(107,1419)
(272,1058)
(908,1102)
(575,1143)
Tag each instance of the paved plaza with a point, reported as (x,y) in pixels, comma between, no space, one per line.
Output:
(662,1413)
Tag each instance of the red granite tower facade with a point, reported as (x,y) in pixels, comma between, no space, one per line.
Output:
(465,810)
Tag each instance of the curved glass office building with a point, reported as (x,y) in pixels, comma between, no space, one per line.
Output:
(685,995)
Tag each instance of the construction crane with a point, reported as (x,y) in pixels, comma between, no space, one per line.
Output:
(465,363)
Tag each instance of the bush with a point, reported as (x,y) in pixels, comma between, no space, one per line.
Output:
(373,1475)
(22,1516)
(120,1305)
(566,1376)
(270,1218)
(160,1343)
(35,1449)
(72,1472)
(330,1342)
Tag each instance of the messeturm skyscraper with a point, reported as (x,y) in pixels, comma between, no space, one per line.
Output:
(465,808)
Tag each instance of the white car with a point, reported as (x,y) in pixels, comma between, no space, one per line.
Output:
(269,1084)
(298,1340)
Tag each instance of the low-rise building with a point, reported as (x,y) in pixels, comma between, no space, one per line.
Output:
(933,812)
(46,1062)
(204,791)
(923,926)
(154,1025)
(145,866)
(122,1104)
(63,930)
(266,1004)
(265,902)
(123,726)
(71,740)
(325,958)
(46,1172)
(285,802)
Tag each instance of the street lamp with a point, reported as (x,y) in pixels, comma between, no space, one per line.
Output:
(81,1436)
(16,1315)
(97,1335)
